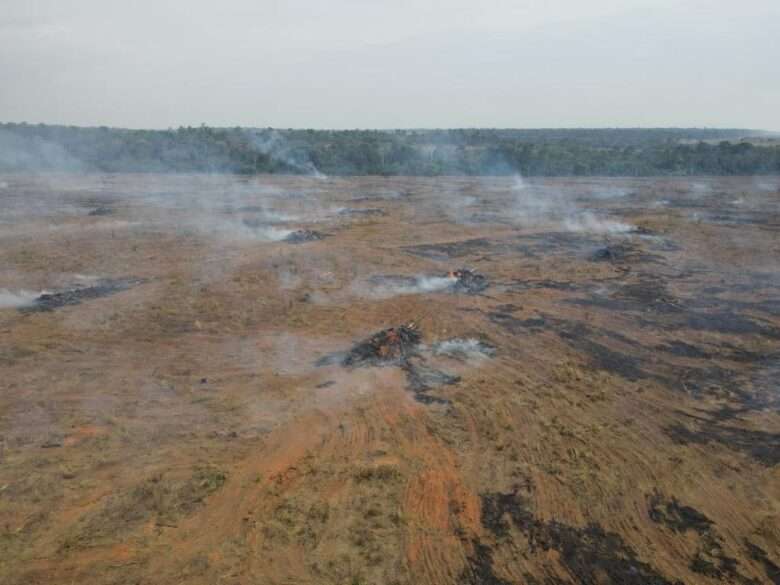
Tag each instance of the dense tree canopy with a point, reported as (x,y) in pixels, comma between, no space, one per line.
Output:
(615,152)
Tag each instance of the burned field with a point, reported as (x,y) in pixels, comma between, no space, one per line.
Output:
(389,381)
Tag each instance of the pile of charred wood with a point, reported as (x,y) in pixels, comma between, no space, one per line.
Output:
(467,281)
(389,346)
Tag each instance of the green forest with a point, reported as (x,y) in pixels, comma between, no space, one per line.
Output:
(537,152)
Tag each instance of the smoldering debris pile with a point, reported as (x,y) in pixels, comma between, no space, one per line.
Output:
(401,347)
(301,236)
(468,282)
(51,301)
(390,346)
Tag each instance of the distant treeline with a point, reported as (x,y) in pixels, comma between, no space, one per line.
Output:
(552,152)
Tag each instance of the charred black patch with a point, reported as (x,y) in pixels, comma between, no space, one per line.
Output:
(741,218)
(646,294)
(392,346)
(617,362)
(677,516)
(362,211)
(729,323)
(519,285)
(302,236)
(710,558)
(624,253)
(589,553)
(758,554)
(422,378)
(515,325)
(480,567)
(498,509)
(51,301)
(682,349)
(762,446)
(449,250)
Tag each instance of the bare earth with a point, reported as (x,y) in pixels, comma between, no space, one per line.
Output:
(612,416)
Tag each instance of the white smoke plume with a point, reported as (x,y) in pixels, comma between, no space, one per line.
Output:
(383,288)
(18,299)
(532,205)
(274,145)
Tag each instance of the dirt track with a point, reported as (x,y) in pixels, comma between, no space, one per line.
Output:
(625,430)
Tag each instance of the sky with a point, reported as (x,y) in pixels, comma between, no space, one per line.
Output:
(391,64)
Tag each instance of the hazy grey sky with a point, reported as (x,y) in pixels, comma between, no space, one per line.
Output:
(383,63)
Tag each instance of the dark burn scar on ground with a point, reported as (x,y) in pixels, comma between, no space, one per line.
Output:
(759,555)
(51,301)
(589,554)
(710,558)
(762,446)
(675,515)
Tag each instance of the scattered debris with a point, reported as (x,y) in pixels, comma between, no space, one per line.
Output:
(51,301)
(301,236)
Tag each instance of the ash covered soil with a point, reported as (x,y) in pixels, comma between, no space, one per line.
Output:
(471,381)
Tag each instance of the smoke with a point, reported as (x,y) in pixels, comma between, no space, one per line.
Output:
(19,299)
(464,349)
(29,153)
(534,205)
(383,287)
(767,185)
(589,222)
(275,146)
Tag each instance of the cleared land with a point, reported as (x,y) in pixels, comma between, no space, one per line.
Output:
(184,397)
